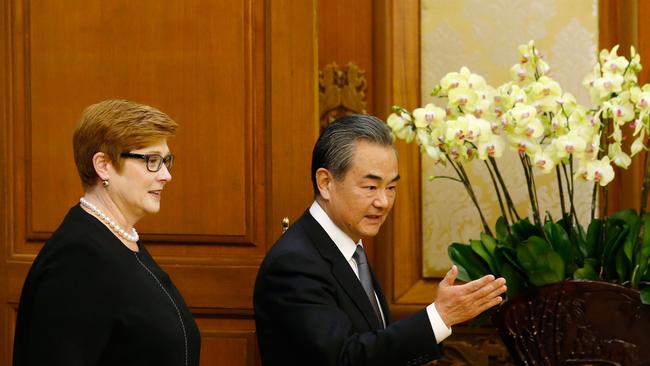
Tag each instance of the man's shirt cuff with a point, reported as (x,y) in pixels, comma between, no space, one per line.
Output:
(440,330)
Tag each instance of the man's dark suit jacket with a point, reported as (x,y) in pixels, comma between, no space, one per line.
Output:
(310,309)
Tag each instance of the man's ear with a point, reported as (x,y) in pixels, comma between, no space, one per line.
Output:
(102,165)
(324,180)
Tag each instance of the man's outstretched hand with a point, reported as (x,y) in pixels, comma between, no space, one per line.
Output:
(458,303)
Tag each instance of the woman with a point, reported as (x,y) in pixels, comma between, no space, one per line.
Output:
(94,295)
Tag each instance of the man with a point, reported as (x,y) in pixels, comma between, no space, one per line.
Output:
(316,300)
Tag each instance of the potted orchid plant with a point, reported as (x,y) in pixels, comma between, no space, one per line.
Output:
(550,133)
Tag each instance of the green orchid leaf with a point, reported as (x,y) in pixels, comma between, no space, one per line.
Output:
(515,276)
(645,294)
(594,236)
(478,248)
(550,270)
(635,277)
(470,265)
(615,238)
(593,263)
(523,229)
(579,237)
(564,222)
(501,229)
(527,252)
(646,277)
(628,215)
(633,222)
(509,255)
(489,243)
(515,282)
(623,266)
(632,241)
(643,253)
(558,238)
(585,273)
(542,265)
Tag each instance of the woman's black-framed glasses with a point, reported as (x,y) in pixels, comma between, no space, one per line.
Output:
(153,161)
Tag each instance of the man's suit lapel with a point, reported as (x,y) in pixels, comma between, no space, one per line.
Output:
(340,268)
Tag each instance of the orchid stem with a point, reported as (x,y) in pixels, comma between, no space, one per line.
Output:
(532,180)
(573,189)
(570,190)
(559,185)
(470,191)
(496,188)
(594,192)
(531,196)
(506,193)
(446,177)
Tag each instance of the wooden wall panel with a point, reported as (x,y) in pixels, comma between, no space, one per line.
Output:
(176,56)
(227,342)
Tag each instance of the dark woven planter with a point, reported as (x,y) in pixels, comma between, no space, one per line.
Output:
(577,323)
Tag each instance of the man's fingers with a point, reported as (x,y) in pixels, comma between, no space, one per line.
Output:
(493,302)
(479,284)
(498,291)
(493,295)
(451,275)
(487,290)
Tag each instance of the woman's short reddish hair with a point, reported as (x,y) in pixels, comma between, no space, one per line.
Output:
(113,127)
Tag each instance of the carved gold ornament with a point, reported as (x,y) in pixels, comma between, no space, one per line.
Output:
(342,91)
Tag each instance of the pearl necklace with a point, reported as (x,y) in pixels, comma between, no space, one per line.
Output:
(116,228)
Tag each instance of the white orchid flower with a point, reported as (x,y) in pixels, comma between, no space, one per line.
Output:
(568,102)
(599,171)
(638,145)
(641,99)
(461,96)
(429,115)
(615,65)
(475,81)
(545,92)
(524,121)
(618,157)
(451,80)
(519,73)
(456,131)
(401,124)
(591,150)
(493,147)
(608,84)
(476,128)
(435,153)
(622,113)
(523,144)
(559,124)
(544,161)
(571,143)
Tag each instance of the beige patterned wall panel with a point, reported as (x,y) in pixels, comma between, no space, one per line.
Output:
(484,35)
